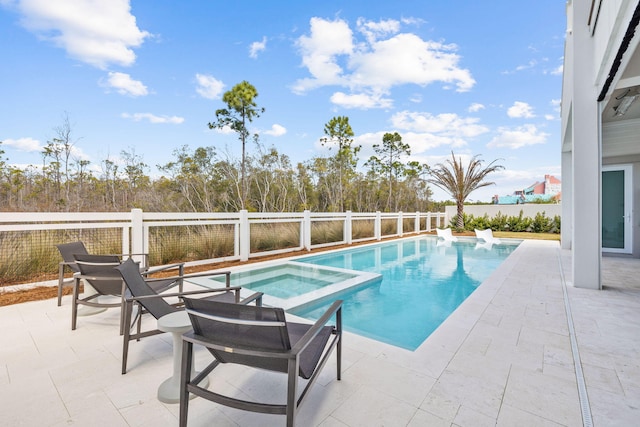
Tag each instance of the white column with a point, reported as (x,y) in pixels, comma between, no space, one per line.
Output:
(306,230)
(137,237)
(348,228)
(245,235)
(566,231)
(585,179)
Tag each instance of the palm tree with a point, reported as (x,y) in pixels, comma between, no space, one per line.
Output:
(454,179)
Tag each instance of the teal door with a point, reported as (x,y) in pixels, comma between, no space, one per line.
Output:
(616,213)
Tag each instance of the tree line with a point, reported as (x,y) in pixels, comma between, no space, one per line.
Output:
(203,179)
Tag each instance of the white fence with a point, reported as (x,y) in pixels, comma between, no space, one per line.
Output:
(136,226)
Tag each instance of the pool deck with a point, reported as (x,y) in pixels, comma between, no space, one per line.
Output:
(504,357)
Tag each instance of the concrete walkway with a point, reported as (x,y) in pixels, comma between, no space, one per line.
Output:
(505,357)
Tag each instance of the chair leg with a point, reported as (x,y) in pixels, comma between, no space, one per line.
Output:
(139,316)
(292,392)
(122,307)
(339,344)
(185,378)
(127,336)
(74,303)
(60,283)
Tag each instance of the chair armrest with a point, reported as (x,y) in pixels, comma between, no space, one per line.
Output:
(145,256)
(79,276)
(181,294)
(257,297)
(178,265)
(335,308)
(305,340)
(194,275)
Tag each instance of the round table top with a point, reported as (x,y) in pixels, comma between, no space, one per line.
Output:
(175,322)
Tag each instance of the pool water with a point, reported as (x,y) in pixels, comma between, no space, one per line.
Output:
(286,281)
(423,282)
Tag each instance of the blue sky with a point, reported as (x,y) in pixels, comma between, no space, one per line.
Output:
(472,77)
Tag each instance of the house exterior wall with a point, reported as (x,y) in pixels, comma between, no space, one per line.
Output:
(597,55)
(552,185)
(538,188)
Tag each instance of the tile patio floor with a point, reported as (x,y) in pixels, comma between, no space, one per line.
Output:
(503,358)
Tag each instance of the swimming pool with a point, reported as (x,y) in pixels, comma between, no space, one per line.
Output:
(423,281)
(396,292)
(289,284)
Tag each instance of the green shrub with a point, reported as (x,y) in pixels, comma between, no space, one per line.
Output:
(499,222)
(480,223)
(541,223)
(518,223)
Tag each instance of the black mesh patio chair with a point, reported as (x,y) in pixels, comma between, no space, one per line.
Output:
(98,271)
(143,294)
(258,337)
(68,250)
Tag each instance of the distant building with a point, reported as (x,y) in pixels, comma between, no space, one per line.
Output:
(547,190)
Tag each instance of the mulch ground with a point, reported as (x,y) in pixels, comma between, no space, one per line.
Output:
(40,293)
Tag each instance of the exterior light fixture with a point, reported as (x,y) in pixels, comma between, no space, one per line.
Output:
(625,103)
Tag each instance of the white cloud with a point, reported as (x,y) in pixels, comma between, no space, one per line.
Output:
(475,107)
(125,85)
(361,101)
(98,33)
(257,47)
(518,137)
(555,104)
(520,110)
(424,131)
(333,56)
(152,118)
(23,144)
(445,124)
(529,65)
(225,130)
(374,30)
(319,50)
(276,130)
(558,70)
(209,87)
(423,63)
(32,145)
(416,98)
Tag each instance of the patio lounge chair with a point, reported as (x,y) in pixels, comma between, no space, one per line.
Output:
(143,293)
(487,246)
(98,271)
(258,337)
(487,236)
(68,250)
(445,233)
